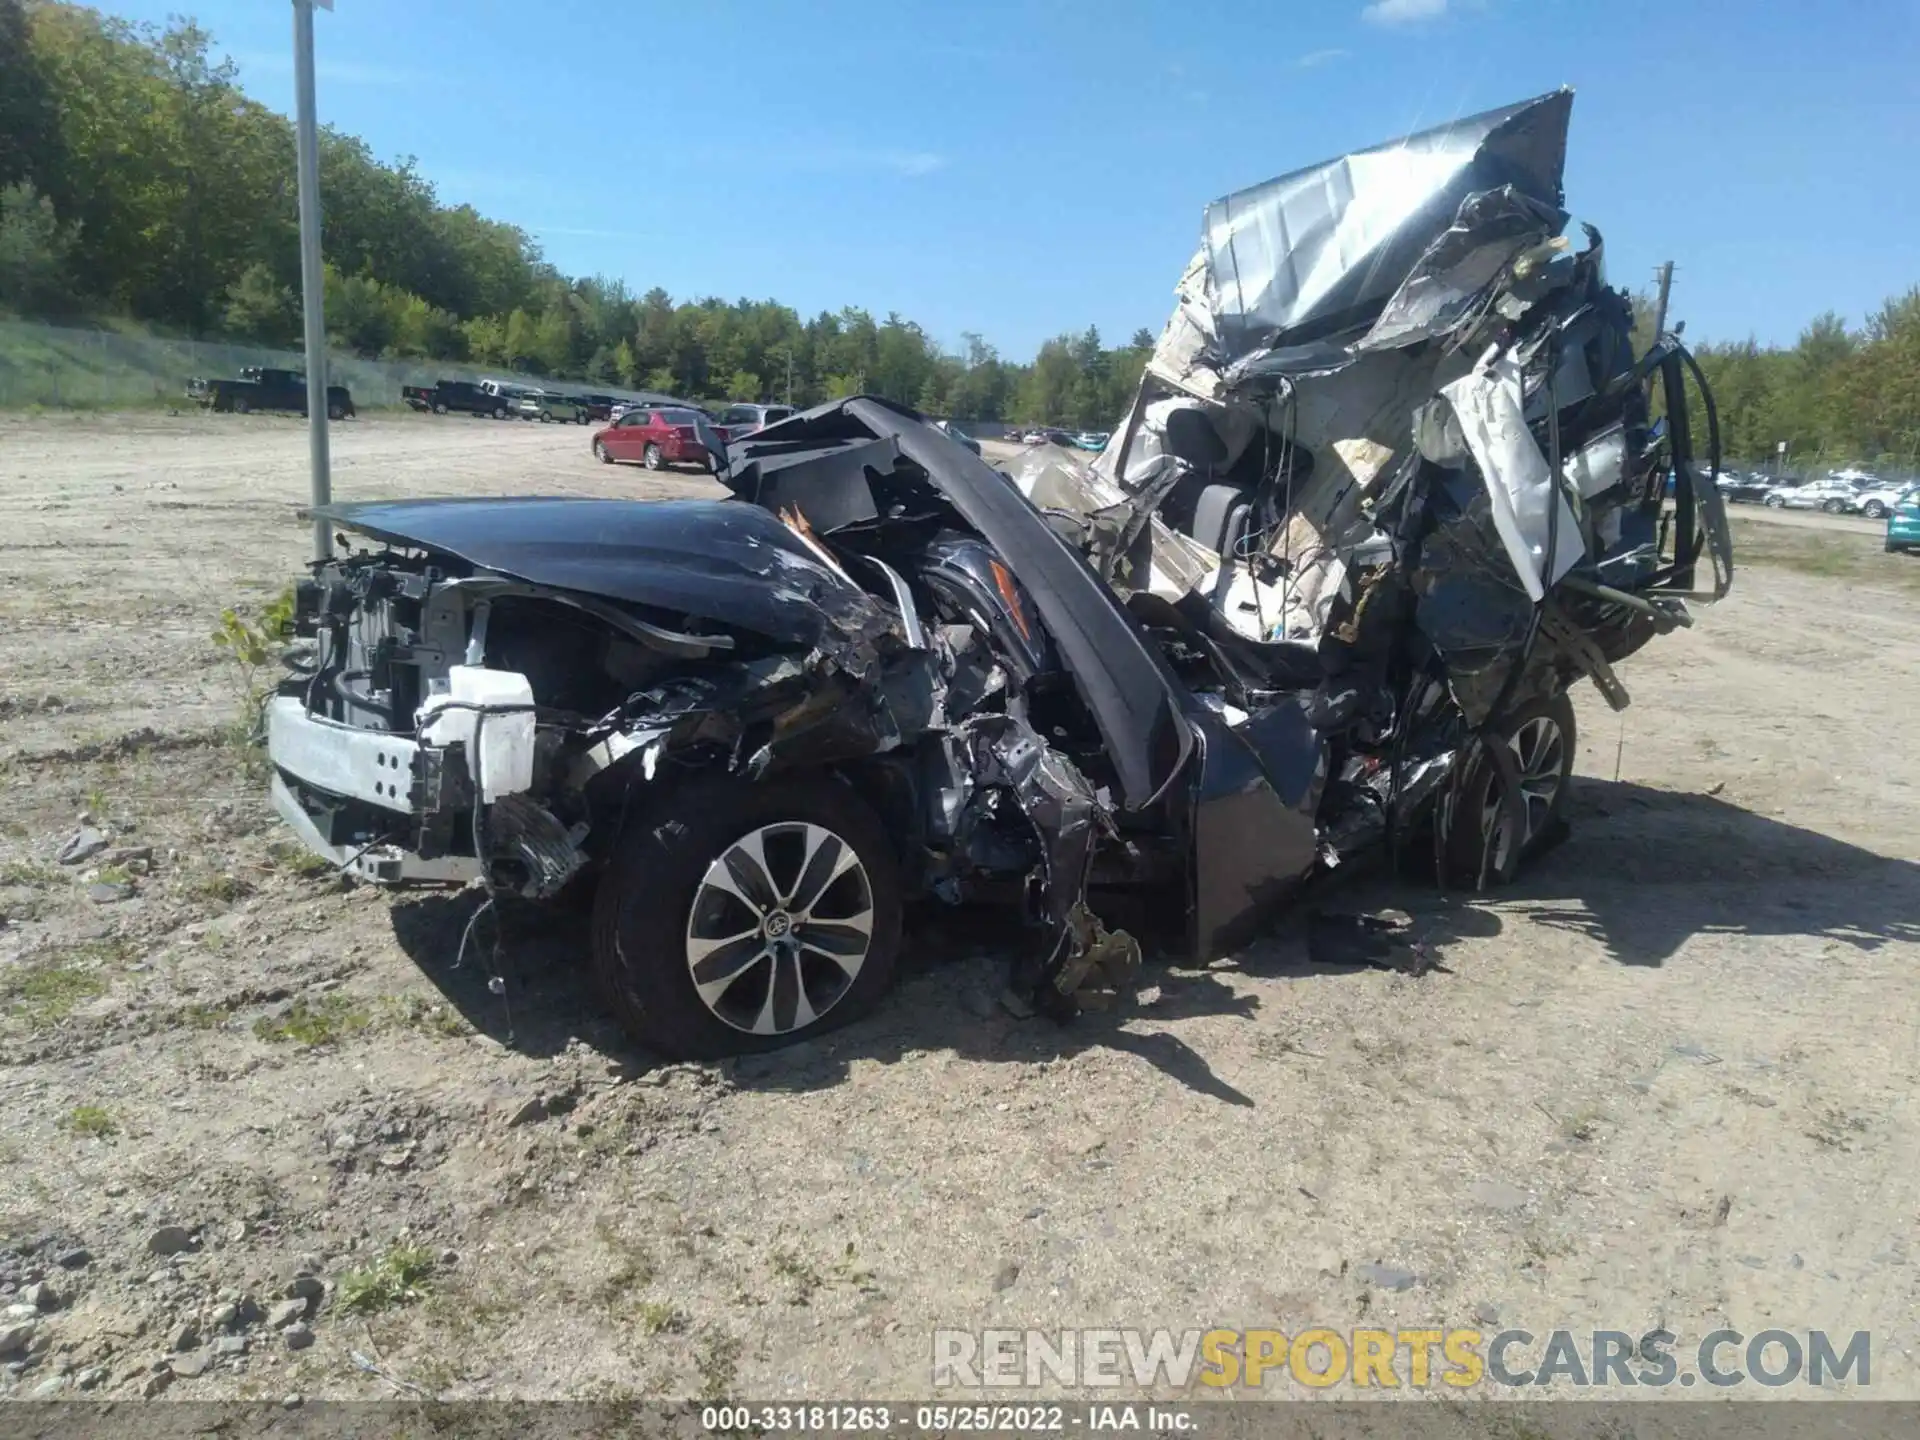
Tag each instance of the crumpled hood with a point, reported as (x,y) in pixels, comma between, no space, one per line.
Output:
(714,559)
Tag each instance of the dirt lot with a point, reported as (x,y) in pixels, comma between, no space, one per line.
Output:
(1666,1079)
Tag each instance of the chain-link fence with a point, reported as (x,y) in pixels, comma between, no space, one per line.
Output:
(70,367)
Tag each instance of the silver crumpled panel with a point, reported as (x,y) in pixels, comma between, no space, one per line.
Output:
(1318,252)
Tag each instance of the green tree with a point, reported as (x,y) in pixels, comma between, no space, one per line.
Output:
(34,250)
(260,308)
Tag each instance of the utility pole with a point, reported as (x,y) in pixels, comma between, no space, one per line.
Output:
(789,375)
(1665,272)
(312,277)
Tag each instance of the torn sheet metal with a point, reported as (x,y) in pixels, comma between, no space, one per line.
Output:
(1067,815)
(1317,252)
(1518,479)
(1451,283)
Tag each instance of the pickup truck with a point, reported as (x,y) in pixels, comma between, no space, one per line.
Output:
(449,395)
(262,389)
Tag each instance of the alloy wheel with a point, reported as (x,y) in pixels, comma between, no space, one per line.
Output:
(1539,752)
(780,927)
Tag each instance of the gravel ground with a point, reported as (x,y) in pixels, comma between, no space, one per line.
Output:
(256,1123)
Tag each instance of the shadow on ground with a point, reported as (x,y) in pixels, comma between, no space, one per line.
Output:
(1642,871)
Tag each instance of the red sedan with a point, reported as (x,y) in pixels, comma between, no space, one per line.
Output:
(654,437)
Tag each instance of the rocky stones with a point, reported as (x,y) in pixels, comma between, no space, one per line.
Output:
(229,1346)
(15,1335)
(156,1383)
(305,1287)
(184,1336)
(78,1258)
(298,1335)
(1004,1277)
(83,845)
(41,1296)
(285,1312)
(191,1367)
(106,892)
(170,1240)
(1386,1277)
(92,1378)
(224,1316)
(48,1388)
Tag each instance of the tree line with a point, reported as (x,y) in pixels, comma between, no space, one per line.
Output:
(1836,395)
(138,180)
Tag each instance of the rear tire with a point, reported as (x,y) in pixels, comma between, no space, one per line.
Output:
(545,418)
(1541,738)
(670,905)
(650,457)
(1774,502)
(1833,507)
(440,408)
(242,405)
(1874,510)
(335,412)
(499,412)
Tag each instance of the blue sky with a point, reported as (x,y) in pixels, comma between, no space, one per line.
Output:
(1027,169)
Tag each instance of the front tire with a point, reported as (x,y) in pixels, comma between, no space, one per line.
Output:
(545,418)
(1541,738)
(439,407)
(242,405)
(650,457)
(600,453)
(335,412)
(1774,502)
(743,917)
(1874,510)
(500,412)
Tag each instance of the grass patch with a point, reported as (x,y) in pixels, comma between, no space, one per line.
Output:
(30,873)
(45,993)
(297,860)
(801,1277)
(394,1279)
(91,1121)
(427,1017)
(633,1263)
(718,1364)
(217,886)
(657,1317)
(1824,554)
(325,1021)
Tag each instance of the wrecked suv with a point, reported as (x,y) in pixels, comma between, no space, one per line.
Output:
(1382,498)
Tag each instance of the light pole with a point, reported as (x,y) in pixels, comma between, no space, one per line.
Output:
(312,277)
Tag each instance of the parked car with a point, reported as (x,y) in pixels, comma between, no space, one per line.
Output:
(656,436)
(598,407)
(263,389)
(736,422)
(549,405)
(947,427)
(1092,439)
(1878,497)
(1745,487)
(448,396)
(1836,497)
(1903,521)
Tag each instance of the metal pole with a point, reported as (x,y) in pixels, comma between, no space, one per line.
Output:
(312,277)
(1660,309)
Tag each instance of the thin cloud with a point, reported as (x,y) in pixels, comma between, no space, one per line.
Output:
(1314,59)
(908,164)
(1403,12)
